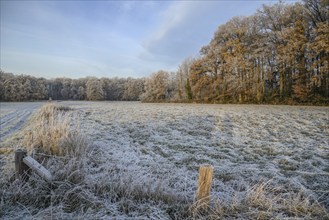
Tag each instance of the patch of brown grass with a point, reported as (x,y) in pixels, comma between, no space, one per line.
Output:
(51,133)
(6,150)
(264,201)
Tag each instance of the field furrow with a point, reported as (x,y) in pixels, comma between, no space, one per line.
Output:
(14,117)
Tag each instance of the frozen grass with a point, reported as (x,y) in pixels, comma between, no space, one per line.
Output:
(51,127)
(54,134)
(263,201)
(142,160)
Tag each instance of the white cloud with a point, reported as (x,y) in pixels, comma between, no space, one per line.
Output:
(173,17)
(188,25)
(185,27)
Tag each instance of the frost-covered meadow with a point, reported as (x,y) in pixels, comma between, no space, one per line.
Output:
(245,143)
(162,146)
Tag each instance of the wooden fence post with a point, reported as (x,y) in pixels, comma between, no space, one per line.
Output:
(21,168)
(204,184)
(38,168)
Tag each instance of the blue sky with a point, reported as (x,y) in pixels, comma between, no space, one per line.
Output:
(108,38)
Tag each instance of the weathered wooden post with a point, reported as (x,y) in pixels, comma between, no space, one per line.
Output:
(204,184)
(38,168)
(21,168)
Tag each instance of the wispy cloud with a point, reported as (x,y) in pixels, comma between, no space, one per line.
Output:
(188,25)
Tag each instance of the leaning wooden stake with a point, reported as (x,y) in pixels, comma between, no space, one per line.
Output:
(204,184)
(38,168)
(21,168)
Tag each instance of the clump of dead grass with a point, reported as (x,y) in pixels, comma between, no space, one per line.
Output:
(6,150)
(51,133)
(264,201)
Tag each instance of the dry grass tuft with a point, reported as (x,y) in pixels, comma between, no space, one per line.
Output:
(6,150)
(52,133)
(263,201)
(300,205)
(73,145)
(257,197)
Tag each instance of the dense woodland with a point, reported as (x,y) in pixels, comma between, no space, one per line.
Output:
(26,88)
(278,55)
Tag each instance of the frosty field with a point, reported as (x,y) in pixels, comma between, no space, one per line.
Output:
(163,145)
(245,144)
(13,115)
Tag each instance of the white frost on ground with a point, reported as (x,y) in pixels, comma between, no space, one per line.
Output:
(13,115)
(164,145)
(246,144)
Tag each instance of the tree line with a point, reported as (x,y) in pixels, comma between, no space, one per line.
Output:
(27,88)
(280,54)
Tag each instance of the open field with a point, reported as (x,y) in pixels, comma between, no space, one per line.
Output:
(285,149)
(13,115)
